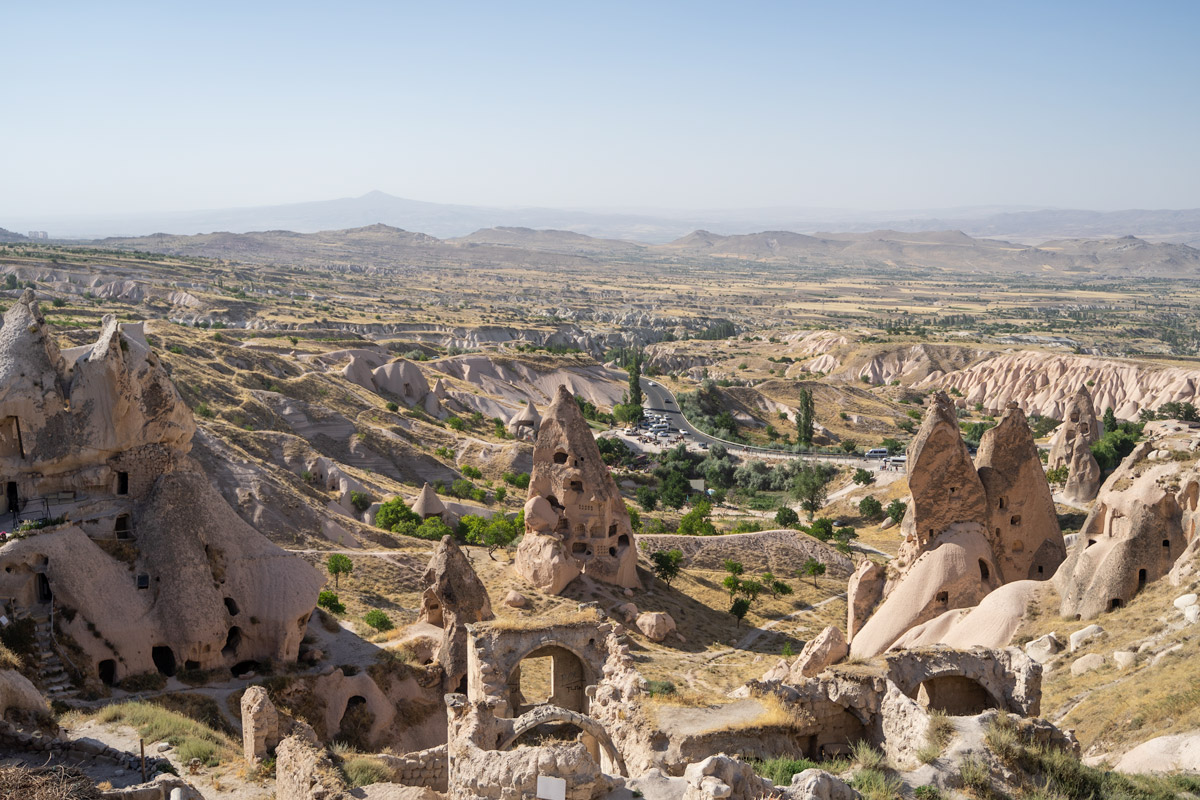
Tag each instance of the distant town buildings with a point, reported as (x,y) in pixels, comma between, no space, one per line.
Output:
(38,235)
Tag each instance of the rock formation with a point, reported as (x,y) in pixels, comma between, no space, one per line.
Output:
(1133,536)
(1022,524)
(524,424)
(966,531)
(1071,446)
(452,597)
(94,450)
(260,724)
(575,518)
(428,504)
(945,487)
(862,595)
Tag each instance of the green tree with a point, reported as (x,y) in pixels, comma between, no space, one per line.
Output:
(810,487)
(732,583)
(813,569)
(647,498)
(696,522)
(733,567)
(378,620)
(786,517)
(739,609)
(893,446)
(394,512)
(849,445)
(338,565)
(870,508)
(1058,475)
(863,477)
(821,528)
(896,510)
(675,489)
(805,418)
(750,588)
(667,564)
(360,500)
(635,380)
(456,423)
(1110,420)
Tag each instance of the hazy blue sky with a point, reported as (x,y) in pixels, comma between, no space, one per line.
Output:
(120,106)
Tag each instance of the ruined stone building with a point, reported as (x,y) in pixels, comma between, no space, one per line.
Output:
(971,527)
(575,518)
(146,566)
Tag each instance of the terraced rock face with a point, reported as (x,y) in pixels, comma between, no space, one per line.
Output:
(575,519)
(1043,383)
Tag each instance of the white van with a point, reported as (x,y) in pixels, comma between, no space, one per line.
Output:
(877,452)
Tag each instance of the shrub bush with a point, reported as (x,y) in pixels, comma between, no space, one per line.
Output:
(378,620)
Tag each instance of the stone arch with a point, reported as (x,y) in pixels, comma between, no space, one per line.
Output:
(550,713)
(957,695)
(568,678)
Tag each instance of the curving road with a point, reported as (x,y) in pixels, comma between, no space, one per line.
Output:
(658,399)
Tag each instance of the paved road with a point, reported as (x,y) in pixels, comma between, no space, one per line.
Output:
(658,399)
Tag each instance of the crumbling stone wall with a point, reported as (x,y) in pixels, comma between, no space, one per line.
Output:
(429,768)
(494,654)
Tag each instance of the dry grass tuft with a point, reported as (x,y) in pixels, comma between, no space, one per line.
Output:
(47,783)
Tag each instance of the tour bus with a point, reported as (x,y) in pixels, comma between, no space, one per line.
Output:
(877,452)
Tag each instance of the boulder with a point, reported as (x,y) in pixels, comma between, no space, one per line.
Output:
(816,784)
(656,625)
(628,611)
(821,652)
(543,561)
(1124,659)
(1084,635)
(515,599)
(1043,648)
(1088,663)
(1191,615)
(1185,600)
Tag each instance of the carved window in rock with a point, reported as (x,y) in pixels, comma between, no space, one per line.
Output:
(1015,520)
(943,598)
(1141,579)
(408,390)
(1018,546)
(576,486)
(1085,429)
(560,457)
(1003,503)
(587,507)
(984,572)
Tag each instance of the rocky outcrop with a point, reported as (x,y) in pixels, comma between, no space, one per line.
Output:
(452,597)
(821,652)
(1132,537)
(966,532)
(524,424)
(260,725)
(862,595)
(1071,446)
(575,519)
(97,437)
(945,486)
(1022,523)
(957,573)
